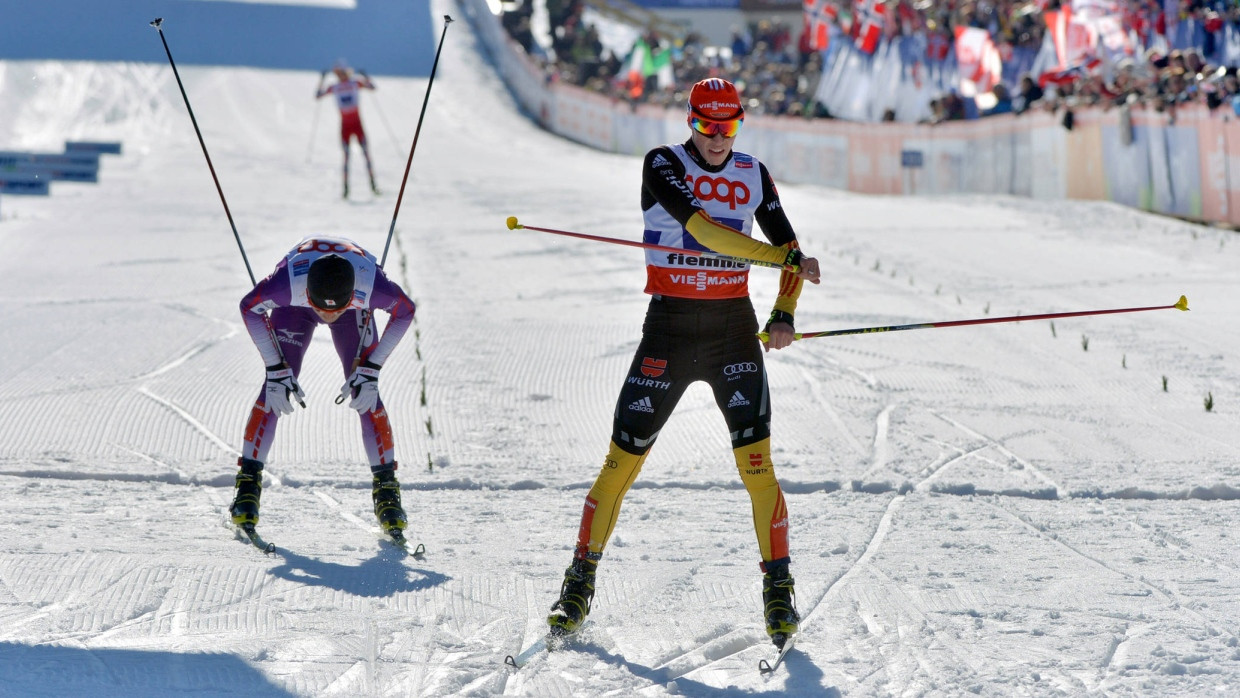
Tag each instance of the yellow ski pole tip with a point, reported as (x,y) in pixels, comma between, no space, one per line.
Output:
(512,223)
(1182,304)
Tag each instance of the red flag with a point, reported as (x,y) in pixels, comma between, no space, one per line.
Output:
(818,15)
(871,14)
(980,66)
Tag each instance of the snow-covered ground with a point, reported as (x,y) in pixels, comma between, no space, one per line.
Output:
(1018,509)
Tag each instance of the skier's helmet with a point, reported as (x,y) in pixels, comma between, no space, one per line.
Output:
(329,283)
(715,99)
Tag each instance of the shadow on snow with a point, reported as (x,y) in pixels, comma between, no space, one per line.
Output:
(385,574)
(49,670)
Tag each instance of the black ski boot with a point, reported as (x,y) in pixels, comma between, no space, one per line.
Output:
(249,487)
(386,495)
(576,593)
(778,605)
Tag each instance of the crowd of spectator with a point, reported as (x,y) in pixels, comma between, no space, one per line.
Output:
(775,73)
(778,72)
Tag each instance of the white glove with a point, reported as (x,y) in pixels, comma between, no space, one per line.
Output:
(281,385)
(363,385)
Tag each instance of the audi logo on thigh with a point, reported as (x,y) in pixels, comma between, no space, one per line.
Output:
(736,369)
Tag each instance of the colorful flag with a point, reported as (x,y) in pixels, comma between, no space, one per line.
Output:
(818,16)
(644,62)
(868,24)
(978,60)
(1074,42)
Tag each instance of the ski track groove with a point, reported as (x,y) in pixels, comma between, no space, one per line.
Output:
(1167,595)
(820,399)
(193,422)
(727,648)
(1037,472)
(933,472)
(877,538)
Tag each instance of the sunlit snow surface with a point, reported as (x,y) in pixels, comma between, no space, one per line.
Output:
(1015,509)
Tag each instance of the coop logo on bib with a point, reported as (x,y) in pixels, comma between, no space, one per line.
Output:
(721,189)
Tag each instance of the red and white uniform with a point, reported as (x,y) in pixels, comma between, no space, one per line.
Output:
(347,93)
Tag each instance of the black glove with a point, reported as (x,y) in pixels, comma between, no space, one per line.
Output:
(793,260)
(778,316)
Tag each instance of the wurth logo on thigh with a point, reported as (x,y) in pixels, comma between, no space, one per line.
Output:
(649,383)
(642,405)
(757,465)
(737,400)
(653,368)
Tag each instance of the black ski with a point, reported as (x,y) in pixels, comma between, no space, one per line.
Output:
(252,534)
(766,667)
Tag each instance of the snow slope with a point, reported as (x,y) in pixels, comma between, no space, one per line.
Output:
(1015,509)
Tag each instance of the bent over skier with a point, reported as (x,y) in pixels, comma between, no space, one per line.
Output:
(331,281)
(700,326)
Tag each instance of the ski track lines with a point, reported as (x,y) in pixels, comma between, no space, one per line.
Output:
(192,421)
(1029,467)
(1107,668)
(898,666)
(491,397)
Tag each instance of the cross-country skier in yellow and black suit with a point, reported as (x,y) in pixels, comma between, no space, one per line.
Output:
(702,196)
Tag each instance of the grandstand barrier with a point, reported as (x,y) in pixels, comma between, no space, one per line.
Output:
(1177,163)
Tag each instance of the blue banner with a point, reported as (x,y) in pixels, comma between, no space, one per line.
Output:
(383,37)
(23,187)
(111,148)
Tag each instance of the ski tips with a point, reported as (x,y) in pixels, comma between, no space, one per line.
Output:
(512,223)
(1181,304)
